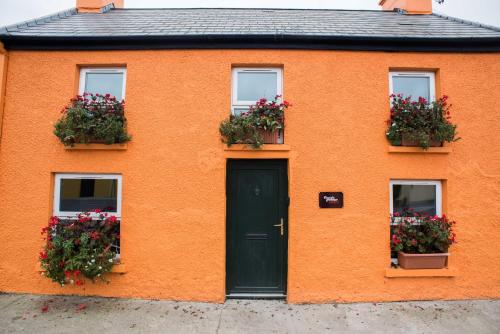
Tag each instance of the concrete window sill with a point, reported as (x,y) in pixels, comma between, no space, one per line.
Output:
(408,149)
(118,268)
(398,272)
(112,147)
(265,147)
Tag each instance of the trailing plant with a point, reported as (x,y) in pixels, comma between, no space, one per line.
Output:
(247,127)
(421,121)
(79,248)
(92,118)
(416,233)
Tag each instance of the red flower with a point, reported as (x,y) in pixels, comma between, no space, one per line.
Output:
(77,272)
(53,221)
(79,282)
(45,308)
(67,273)
(98,210)
(94,235)
(43,255)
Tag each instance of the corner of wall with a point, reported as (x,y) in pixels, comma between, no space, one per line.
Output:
(3,82)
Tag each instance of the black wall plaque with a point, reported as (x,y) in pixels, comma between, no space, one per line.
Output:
(331,200)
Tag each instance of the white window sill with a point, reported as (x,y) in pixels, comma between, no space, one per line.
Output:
(399,272)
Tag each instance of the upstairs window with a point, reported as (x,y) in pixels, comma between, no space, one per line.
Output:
(252,84)
(75,193)
(416,84)
(103,81)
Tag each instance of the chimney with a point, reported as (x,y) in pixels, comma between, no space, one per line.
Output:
(408,6)
(95,6)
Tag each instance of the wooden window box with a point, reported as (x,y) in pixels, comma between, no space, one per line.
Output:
(413,149)
(118,268)
(94,146)
(265,147)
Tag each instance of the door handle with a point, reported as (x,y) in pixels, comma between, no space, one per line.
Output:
(281,225)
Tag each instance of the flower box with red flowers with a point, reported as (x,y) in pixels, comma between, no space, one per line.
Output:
(420,123)
(421,241)
(92,119)
(263,123)
(80,248)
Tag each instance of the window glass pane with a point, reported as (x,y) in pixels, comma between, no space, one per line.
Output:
(414,86)
(104,83)
(253,86)
(421,198)
(239,111)
(80,195)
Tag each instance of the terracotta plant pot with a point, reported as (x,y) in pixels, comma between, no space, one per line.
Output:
(91,141)
(422,261)
(406,141)
(271,137)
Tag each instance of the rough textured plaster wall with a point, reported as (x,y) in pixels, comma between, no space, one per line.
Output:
(173,230)
(3,78)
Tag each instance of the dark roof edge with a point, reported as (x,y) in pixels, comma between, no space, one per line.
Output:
(38,21)
(255,8)
(472,23)
(305,42)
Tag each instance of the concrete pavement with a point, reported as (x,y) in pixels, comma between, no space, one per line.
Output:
(68,314)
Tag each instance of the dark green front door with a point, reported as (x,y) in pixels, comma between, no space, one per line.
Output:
(257,200)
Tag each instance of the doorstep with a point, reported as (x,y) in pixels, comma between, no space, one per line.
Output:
(256,296)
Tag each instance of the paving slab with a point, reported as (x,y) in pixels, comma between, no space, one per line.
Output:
(24,313)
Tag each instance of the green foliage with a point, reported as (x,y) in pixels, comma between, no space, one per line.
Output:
(421,234)
(79,248)
(420,121)
(247,128)
(92,118)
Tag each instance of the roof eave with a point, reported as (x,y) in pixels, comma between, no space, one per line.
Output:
(277,41)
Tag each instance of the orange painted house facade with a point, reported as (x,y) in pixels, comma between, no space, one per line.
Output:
(175,174)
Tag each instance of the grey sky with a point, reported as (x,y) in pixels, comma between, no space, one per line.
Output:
(484,11)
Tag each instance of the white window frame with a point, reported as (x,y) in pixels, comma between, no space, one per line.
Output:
(110,70)
(57,192)
(235,103)
(430,75)
(439,192)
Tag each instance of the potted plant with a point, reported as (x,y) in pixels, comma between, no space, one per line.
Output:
(79,248)
(261,124)
(420,123)
(421,241)
(92,119)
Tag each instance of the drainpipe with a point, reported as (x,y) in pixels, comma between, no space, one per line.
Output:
(3,82)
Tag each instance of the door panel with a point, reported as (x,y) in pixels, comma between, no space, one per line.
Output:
(256,250)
